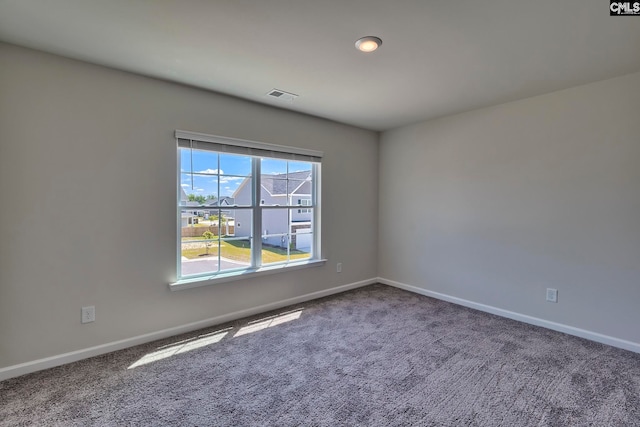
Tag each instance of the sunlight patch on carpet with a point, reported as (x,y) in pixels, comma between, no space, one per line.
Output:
(269,322)
(182,347)
(204,340)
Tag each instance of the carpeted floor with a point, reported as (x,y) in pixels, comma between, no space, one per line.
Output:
(374,356)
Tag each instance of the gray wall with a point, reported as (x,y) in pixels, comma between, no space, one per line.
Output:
(87,193)
(497,204)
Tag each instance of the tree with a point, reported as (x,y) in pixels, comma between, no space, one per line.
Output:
(199,198)
(207,235)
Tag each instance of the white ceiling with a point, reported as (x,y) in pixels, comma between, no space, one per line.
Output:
(438,57)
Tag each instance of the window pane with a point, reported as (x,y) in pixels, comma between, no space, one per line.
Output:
(199,246)
(297,167)
(233,164)
(235,253)
(273,167)
(278,185)
(275,235)
(185,159)
(298,190)
(234,170)
(230,184)
(301,231)
(186,183)
(237,223)
(213,218)
(301,243)
(241,196)
(273,191)
(202,250)
(274,223)
(274,254)
(195,222)
(302,214)
(198,190)
(205,162)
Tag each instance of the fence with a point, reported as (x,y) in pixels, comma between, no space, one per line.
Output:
(197,231)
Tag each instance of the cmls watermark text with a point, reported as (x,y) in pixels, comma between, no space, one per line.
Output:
(621,8)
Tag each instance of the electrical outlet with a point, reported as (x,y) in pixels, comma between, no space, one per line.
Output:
(339,267)
(88,314)
(552,295)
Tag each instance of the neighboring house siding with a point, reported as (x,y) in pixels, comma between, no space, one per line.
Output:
(302,214)
(273,220)
(274,223)
(242,218)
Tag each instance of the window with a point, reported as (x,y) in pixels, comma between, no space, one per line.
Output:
(304,202)
(238,206)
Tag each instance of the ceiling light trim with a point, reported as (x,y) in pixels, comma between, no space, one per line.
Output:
(368,44)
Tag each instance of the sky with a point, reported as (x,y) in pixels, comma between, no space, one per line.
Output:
(199,171)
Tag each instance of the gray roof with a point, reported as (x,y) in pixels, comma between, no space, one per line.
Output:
(222,201)
(297,184)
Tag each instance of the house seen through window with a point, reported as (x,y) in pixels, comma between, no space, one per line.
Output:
(239,206)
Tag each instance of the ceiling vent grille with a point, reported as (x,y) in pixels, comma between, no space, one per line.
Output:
(281,95)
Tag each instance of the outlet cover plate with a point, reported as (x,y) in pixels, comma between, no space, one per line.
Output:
(88,314)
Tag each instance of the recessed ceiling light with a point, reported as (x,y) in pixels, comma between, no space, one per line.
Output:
(368,44)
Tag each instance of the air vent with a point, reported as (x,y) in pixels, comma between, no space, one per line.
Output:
(281,95)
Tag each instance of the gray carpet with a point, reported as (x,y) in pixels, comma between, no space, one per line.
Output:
(374,356)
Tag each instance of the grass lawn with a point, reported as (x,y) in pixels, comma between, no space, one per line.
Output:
(239,250)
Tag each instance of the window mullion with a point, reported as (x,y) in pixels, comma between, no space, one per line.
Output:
(191,163)
(256,230)
(315,215)
(289,218)
(179,218)
(219,213)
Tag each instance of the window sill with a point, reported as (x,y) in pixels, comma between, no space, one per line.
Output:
(197,282)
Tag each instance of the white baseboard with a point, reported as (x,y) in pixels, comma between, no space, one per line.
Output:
(61,359)
(570,330)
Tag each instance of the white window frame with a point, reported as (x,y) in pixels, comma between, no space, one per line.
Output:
(256,150)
